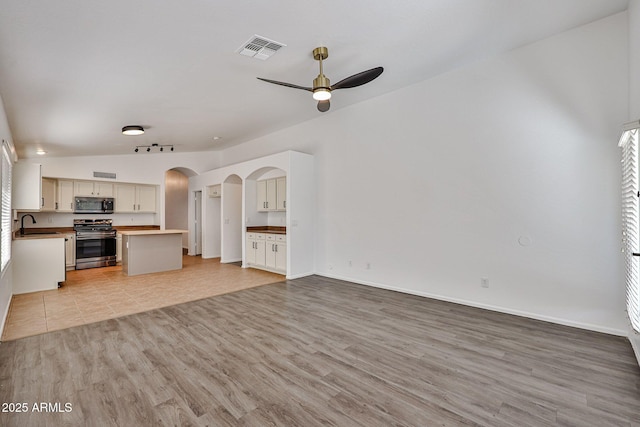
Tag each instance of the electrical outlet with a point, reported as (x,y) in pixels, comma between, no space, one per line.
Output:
(350,263)
(368,266)
(484,282)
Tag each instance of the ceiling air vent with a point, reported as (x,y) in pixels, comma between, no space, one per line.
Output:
(104,175)
(259,47)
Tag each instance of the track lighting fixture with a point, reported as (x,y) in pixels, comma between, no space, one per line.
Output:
(153,146)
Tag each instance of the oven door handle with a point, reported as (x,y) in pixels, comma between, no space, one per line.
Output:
(97,236)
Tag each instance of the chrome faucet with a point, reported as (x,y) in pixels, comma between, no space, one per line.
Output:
(22,223)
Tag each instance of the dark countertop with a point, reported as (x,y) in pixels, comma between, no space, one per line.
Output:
(270,229)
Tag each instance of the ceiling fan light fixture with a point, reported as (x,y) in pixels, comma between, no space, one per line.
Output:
(133,130)
(321,94)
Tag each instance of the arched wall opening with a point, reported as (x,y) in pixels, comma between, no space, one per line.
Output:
(257,215)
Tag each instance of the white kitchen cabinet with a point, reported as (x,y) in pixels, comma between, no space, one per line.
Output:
(125,198)
(255,249)
(48,195)
(135,198)
(70,251)
(146,198)
(281,253)
(276,252)
(93,188)
(267,251)
(27,187)
(64,196)
(267,194)
(215,191)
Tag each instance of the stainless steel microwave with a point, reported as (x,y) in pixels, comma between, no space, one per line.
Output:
(91,205)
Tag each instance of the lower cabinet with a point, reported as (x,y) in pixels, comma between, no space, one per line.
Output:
(256,249)
(276,252)
(70,251)
(267,251)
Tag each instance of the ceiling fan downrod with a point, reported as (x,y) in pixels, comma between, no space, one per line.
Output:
(321,84)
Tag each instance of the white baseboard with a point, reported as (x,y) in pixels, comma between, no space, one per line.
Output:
(560,321)
(226,261)
(298,276)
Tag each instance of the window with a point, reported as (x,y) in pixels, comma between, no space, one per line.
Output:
(630,222)
(5,210)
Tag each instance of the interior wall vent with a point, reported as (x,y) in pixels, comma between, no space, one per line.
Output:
(104,175)
(259,47)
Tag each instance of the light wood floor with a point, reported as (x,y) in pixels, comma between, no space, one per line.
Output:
(98,294)
(317,351)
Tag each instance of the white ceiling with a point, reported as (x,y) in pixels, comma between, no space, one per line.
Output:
(74,72)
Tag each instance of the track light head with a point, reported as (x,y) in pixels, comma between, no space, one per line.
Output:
(136,150)
(148,149)
(172,148)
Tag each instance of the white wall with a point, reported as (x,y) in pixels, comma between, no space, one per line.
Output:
(434,185)
(634,100)
(634,59)
(6,289)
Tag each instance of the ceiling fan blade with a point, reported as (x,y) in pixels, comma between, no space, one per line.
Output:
(358,79)
(285,84)
(324,106)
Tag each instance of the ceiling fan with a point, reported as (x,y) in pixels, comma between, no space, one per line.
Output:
(322,88)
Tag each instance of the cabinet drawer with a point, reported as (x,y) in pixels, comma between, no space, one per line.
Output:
(271,237)
(282,238)
(251,236)
(259,236)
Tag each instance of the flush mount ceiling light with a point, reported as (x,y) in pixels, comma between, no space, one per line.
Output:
(41,152)
(133,130)
(153,146)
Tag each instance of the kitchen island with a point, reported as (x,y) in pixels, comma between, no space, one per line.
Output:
(151,251)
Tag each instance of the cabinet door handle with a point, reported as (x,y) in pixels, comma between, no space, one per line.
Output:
(43,202)
(276,248)
(56,205)
(285,204)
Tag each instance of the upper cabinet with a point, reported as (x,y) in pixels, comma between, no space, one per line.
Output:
(272,194)
(93,188)
(31,192)
(49,187)
(27,187)
(214,191)
(135,198)
(64,196)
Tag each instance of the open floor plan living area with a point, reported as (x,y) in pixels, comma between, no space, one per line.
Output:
(362,213)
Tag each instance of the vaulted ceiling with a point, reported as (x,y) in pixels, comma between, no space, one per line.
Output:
(74,72)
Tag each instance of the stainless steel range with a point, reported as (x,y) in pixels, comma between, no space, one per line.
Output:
(95,243)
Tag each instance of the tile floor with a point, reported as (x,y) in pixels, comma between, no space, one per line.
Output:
(98,294)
